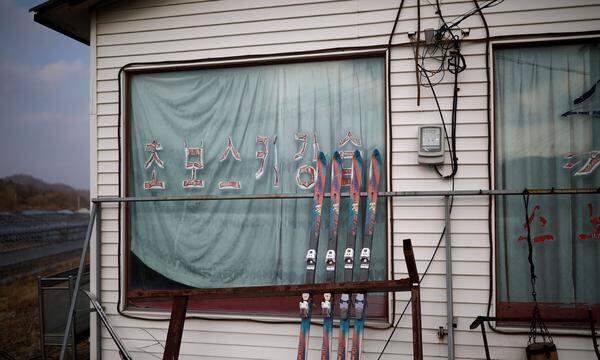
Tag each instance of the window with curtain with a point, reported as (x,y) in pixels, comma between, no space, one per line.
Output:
(245,130)
(547,127)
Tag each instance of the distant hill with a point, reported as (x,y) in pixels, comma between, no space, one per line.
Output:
(25,192)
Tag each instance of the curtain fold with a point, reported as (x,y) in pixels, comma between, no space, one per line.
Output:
(541,144)
(224,112)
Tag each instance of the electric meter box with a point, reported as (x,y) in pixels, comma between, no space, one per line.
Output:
(431,145)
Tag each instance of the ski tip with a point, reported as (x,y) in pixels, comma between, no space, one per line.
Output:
(358,156)
(337,157)
(377,155)
(322,157)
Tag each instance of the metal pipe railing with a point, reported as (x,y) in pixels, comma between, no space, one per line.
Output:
(95,218)
(86,243)
(387,194)
(98,280)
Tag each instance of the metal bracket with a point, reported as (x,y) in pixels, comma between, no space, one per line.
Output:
(344,306)
(349,258)
(359,306)
(442,331)
(305,305)
(429,36)
(311,259)
(330,260)
(365,258)
(326,305)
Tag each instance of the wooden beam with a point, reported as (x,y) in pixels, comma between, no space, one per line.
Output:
(276,290)
(416,323)
(411,264)
(173,343)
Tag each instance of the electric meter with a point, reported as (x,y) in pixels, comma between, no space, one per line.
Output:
(431,145)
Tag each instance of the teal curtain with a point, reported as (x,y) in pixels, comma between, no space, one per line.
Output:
(543,141)
(341,104)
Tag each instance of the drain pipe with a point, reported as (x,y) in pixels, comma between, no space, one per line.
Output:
(449,299)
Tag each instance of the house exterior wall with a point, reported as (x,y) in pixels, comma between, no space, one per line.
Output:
(161,30)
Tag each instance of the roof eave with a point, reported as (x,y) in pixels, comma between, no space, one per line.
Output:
(68,17)
(47,22)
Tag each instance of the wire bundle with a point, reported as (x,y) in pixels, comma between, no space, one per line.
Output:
(446,51)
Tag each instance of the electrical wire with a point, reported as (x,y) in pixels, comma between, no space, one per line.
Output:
(439,12)
(456,64)
(489,166)
(450,140)
(440,46)
(443,230)
(491,269)
(437,103)
(395,24)
(389,107)
(445,43)
(457,20)
(422,70)
(444,37)
(437,246)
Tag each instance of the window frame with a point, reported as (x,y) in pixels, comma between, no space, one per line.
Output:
(123,140)
(523,309)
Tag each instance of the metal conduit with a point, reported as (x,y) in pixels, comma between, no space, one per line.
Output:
(449,294)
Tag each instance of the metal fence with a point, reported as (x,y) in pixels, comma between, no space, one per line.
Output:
(55,294)
(21,231)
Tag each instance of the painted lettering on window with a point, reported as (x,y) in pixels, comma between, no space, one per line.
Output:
(595,224)
(194,161)
(235,154)
(153,162)
(306,173)
(349,141)
(587,162)
(542,221)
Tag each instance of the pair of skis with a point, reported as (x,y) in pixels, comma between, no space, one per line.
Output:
(330,258)
(365,253)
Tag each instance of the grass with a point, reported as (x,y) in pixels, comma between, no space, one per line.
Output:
(19,310)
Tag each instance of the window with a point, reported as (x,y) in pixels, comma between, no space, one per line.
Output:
(547,104)
(244,130)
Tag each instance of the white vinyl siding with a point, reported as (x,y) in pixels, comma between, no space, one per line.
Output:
(163,30)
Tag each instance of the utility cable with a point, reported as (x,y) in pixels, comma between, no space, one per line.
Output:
(468,14)
(491,269)
(456,65)
(389,339)
(395,23)
(451,143)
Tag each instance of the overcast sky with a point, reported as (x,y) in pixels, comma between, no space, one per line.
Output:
(44,99)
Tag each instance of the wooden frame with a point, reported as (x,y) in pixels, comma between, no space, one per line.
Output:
(180,300)
(244,61)
(277,290)
(516,310)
